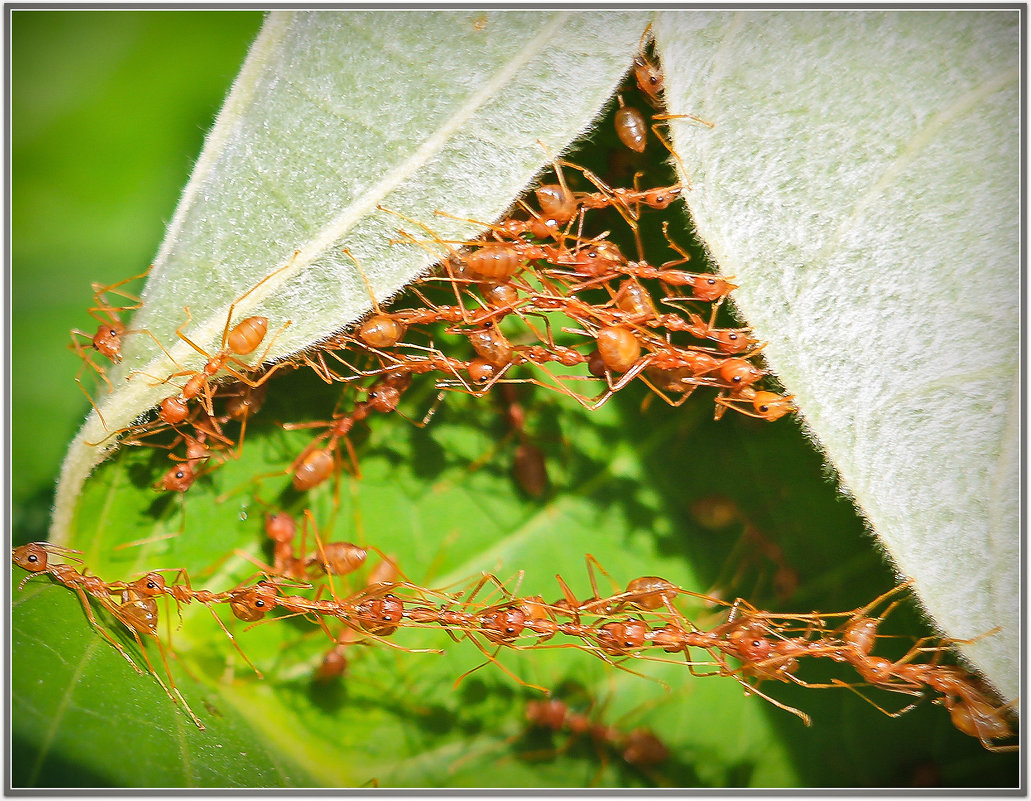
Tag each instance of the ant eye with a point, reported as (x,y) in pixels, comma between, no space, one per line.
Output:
(33,558)
(764,408)
(711,282)
(259,603)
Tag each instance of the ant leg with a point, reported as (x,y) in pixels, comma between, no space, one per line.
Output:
(492,658)
(87,358)
(446,261)
(84,600)
(265,376)
(233,305)
(666,144)
(99,291)
(179,333)
(590,560)
(874,704)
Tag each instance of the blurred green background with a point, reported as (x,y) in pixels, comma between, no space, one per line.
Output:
(109,111)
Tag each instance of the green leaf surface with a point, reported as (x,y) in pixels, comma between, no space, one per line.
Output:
(329,119)
(624,486)
(862,183)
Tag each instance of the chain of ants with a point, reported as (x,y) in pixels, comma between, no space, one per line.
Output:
(538,269)
(641,622)
(538,263)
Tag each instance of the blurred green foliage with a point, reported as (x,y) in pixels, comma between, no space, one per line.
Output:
(108,112)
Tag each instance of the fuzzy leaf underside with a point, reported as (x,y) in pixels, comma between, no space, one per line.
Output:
(862,182)
(333,114)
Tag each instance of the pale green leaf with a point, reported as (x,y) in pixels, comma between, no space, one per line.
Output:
(333,114)
(862,182)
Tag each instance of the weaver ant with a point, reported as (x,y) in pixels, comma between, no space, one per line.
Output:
(154,584)
(969,707)
(639,747)
(238,340)
(630,125)
(108,338)
(138,614)
(334,661)
(315,463)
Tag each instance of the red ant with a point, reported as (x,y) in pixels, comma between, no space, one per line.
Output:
(529,465)
(108,338)
(330,559)
(631,128)
(766,405)
(717,513)
(601,261)
(639,747)
(647,74)
(153,584)
(138,614)
(334,661)
(315,464)
(630,124)
(971,711)
(240,339)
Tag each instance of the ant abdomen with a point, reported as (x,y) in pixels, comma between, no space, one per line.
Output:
(247,335)
(631,128)
(313,469)
(381,331)
(494,261)
(618,348)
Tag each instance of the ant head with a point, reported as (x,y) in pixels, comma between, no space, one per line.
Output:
(32,557)
(151,584)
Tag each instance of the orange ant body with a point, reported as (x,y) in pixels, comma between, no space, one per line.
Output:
(108,338)
(530,469)
(766,405)
(138,614)
(334,661)
(631,127)
(971,712)
(639,747)
(647,74)
(601,260)
(241,339)
(315,464)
